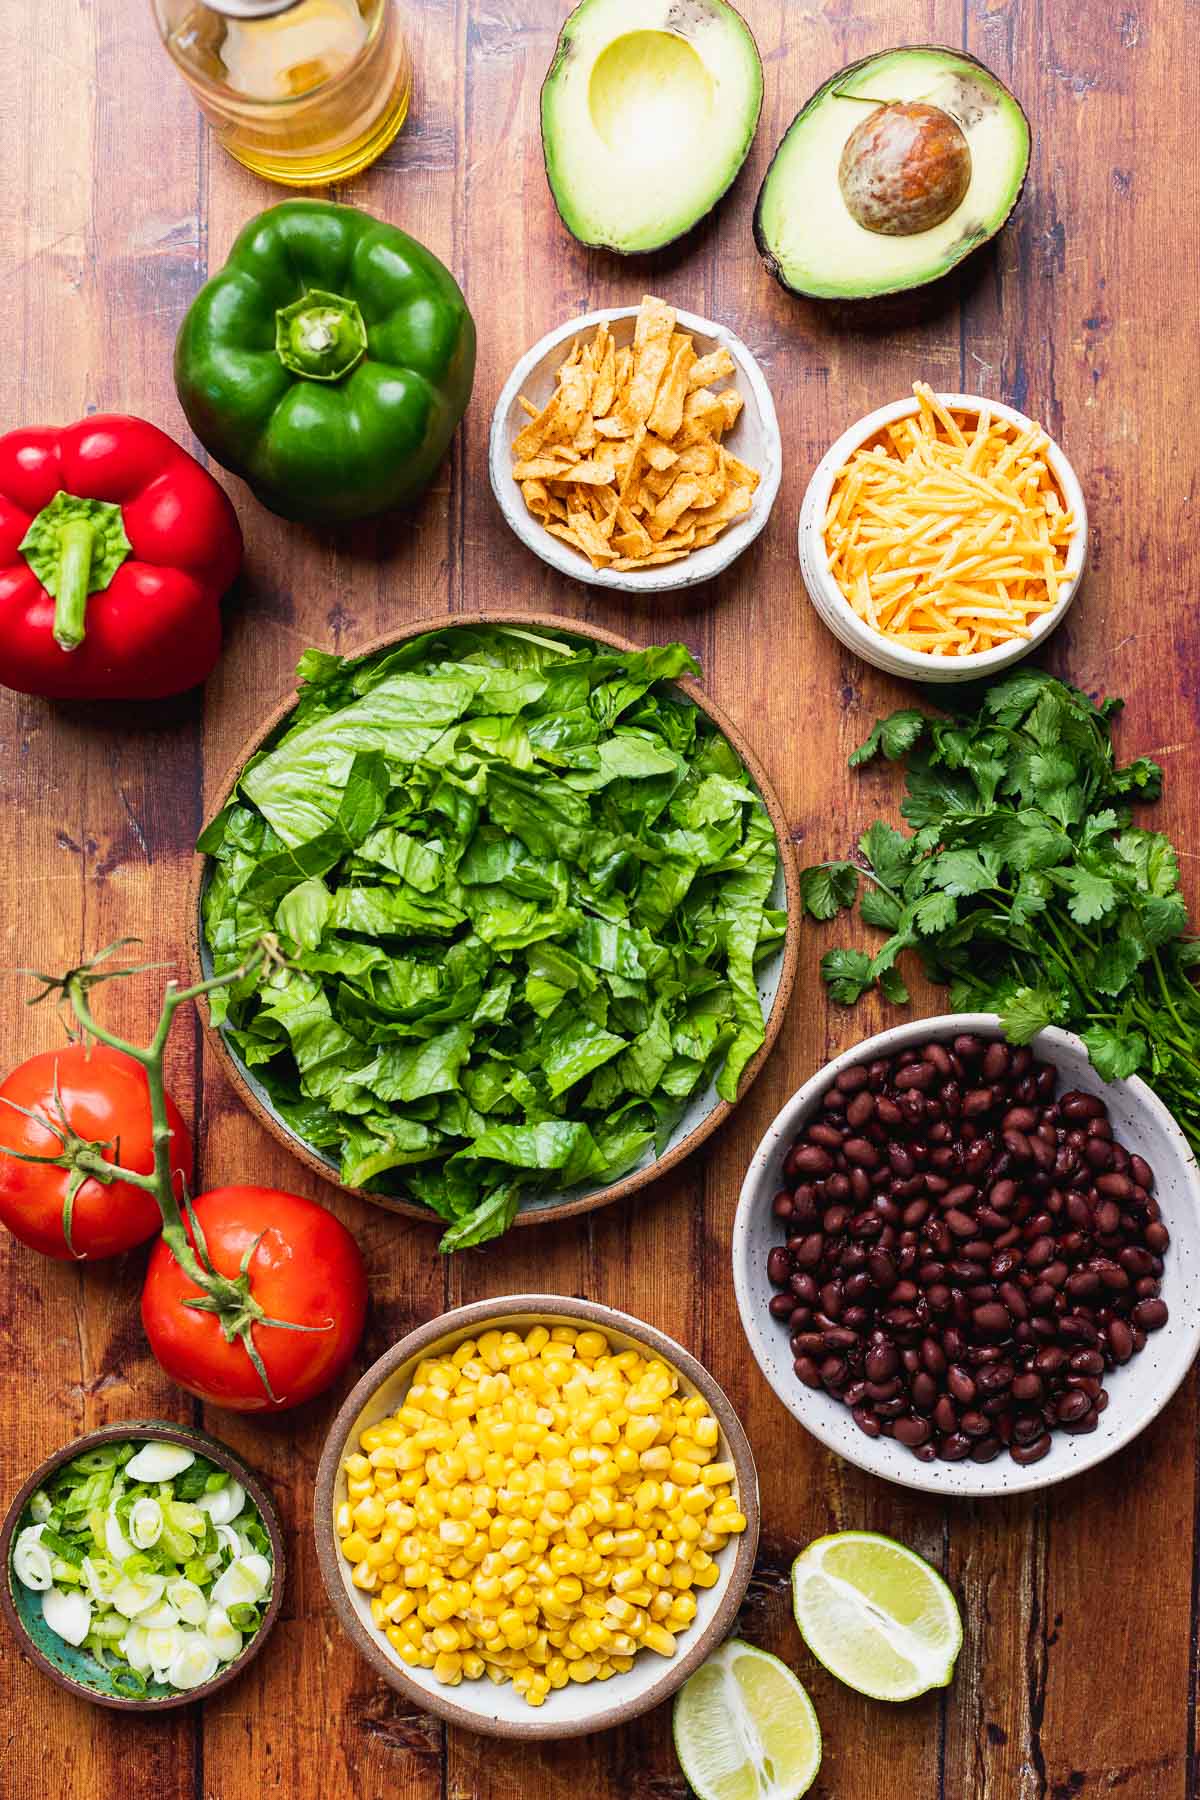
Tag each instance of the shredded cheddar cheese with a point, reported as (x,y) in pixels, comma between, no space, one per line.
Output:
(949,534)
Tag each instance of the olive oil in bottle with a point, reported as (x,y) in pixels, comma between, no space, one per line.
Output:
(300,91)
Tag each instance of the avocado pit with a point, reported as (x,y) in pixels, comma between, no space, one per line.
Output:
(905,168)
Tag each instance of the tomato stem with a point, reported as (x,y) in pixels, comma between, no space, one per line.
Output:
(229,1298)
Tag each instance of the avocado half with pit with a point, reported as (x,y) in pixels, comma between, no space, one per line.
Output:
(648,110)
(895,170)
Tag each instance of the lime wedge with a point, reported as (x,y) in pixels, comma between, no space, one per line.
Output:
(745,1729)
(876,1615)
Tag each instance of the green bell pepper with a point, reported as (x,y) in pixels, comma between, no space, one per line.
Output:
(328,363)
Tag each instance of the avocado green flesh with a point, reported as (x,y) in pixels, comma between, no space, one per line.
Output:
(802,222)
(648,111)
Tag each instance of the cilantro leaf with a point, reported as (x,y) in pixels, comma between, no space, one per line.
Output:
(888,851)
(891,983)
(1116,1055)
(1161,919)
(1092,896)
(935,793)
(1012,697)
(847,974)
(1029,1011)
(828,887)
(1115,965)
(935,912)
(1028,840)
(880,909)
(1143,778)
(964,872)
(893,736)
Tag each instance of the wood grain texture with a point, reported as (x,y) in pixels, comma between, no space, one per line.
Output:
(1078,1675)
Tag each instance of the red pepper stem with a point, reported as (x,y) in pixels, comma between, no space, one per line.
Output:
(76,539)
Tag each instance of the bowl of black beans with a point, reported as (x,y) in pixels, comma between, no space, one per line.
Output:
(970,1267)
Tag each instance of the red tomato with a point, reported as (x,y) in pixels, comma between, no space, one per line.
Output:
(104,1098)
(306,1270)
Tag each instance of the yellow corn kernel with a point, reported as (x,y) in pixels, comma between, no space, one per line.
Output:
(696,1499)
(707,1578)
(640,1433)
(355,1546)
(656,1459)
(683,1609)
(658,1638)
(363,1576)
(684,1472)
(717,1473)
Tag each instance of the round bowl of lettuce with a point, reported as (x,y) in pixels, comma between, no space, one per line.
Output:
(532,912)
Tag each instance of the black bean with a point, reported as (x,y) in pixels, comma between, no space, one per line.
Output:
(963,1248)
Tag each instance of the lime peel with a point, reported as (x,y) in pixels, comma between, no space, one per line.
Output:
(886,1652)
(743,1697)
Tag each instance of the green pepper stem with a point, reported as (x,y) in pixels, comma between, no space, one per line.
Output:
(76,540)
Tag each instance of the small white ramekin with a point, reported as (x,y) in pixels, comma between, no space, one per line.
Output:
(754,438)
(839,615)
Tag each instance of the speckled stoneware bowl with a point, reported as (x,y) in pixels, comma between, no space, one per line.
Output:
(883,652)
(480,1705)
(1137,1392)
(704,1112)
(755,439)
(74,1668)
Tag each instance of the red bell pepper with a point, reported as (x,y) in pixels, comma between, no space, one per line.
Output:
(115,550)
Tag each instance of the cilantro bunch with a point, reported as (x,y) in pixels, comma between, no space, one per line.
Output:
(1023,886)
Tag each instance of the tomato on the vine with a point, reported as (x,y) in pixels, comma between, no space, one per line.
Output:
(96,1104)
(301,1267)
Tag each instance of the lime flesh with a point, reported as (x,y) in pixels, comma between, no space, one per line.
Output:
(745,1729)
(876,1614)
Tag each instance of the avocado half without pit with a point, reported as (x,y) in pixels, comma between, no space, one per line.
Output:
(896,169)
(648,110)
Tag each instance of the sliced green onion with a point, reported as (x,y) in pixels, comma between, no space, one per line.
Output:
(127,1681)
(244,1616)
(110,1628)
(68,1552)
(105,1456)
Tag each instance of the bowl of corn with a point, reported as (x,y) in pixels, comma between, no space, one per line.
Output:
(536,1516)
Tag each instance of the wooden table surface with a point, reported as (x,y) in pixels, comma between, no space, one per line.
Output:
(1077,1676)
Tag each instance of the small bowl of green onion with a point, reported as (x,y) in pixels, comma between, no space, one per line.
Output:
(143,1566)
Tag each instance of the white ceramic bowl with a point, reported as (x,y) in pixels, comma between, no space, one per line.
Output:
(839,615)
(1137,1392)
(754,438)
(499,1711)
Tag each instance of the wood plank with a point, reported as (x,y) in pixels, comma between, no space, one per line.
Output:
(98,806)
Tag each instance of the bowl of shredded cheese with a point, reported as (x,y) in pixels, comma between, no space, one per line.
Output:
(943,537)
